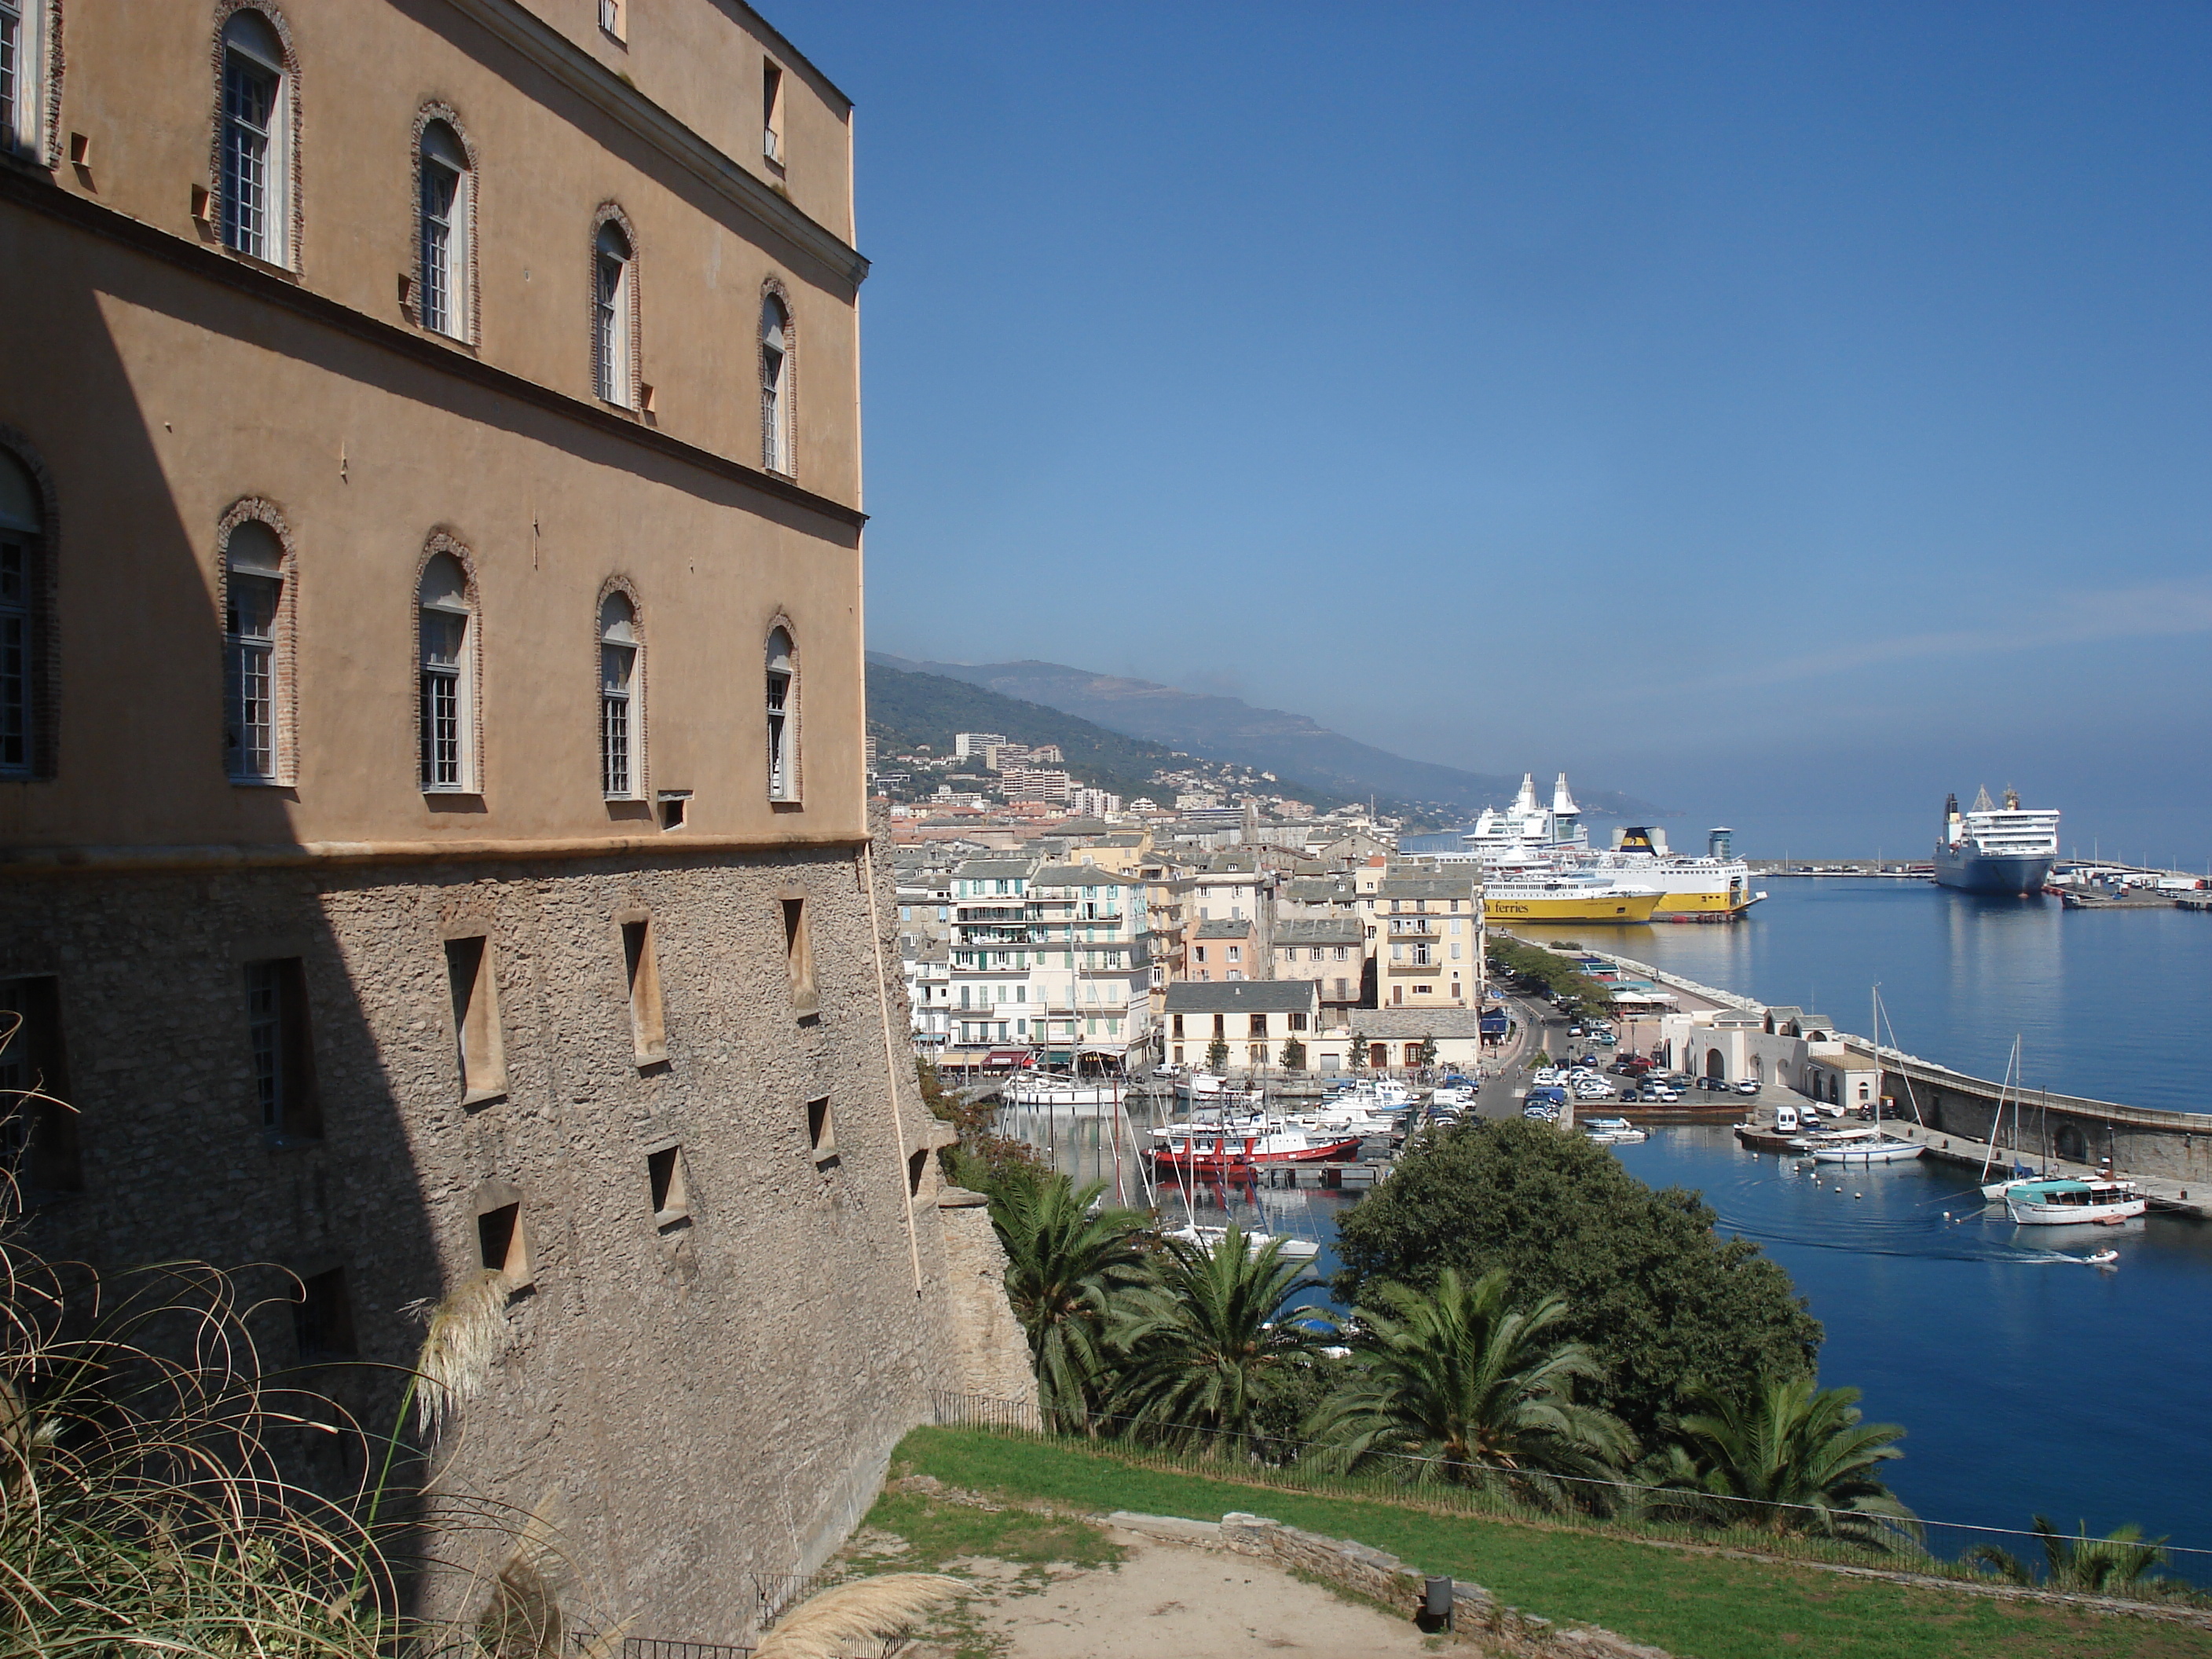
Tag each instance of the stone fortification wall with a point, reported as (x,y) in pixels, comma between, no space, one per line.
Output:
(990,1356)
(728,1305)
(1477,1615)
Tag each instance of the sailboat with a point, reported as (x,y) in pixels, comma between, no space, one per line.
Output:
(1998,1191)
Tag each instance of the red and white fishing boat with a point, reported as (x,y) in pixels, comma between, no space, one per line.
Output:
(1244,1145)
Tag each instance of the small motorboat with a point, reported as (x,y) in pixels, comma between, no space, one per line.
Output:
(2103,1258)
(1615,1132)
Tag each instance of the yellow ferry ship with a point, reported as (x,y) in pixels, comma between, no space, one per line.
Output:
(1715,885)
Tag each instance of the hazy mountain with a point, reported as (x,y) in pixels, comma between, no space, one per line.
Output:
(1230,729)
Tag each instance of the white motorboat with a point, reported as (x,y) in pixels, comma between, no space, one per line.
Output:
(1614,1132)
(1375,1093)
(1048,1089)
(1863,1145)
(2066,1203)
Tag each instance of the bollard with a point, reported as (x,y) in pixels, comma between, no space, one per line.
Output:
(1436,1604)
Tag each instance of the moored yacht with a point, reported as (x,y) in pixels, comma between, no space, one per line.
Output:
(1234,1145)
(2061,1202)
(1860,1144)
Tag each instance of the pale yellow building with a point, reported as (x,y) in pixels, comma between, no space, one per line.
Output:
(431,791)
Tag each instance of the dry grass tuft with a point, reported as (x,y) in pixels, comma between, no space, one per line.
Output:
(467,1331)
(852,1618)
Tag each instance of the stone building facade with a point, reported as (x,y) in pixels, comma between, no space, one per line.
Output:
(432,837)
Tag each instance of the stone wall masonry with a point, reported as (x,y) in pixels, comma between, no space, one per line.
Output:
(711,1395)
(1476,1613)
(990,1356)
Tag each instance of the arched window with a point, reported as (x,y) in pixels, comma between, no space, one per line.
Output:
(442,225)
(23,522)
(622,723)
(256,147)
(447,685)
(613,277)
(253,688)
(782,719)
(22,74)
(775,386)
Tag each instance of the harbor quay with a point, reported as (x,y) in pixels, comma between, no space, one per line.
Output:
(1717,1033)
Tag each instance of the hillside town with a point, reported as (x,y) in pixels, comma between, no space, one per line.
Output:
(1053,925)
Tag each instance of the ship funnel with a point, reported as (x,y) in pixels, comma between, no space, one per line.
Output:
(2011,798)
(1563,804)
(1526,800)
(1719,841)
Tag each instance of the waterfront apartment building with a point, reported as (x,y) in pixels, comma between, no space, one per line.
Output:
(1426,931)
(431,796)
(1055,956)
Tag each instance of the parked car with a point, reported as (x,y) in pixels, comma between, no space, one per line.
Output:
(1661,1091)
(1747,1087)
(1717,1086)
(1605,1038)
(1592,1091)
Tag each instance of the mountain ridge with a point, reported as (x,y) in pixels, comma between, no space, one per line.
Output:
(1229,729)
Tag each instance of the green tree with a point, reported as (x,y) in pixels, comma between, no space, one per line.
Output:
(1216,1054)
(2121,1560)
(1484,1395)
(1068,1269)
(1794,1459)
(1358,1047)
(1427,1055)
(1661,1300)
(1208,1348)
(1294,1055)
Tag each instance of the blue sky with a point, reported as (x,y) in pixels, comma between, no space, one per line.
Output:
(1786,412)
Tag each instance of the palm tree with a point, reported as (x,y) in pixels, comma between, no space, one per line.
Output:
(1485,1395)
(1794,1458)
(1208,1347)
(2097,1566)
(1067,1265)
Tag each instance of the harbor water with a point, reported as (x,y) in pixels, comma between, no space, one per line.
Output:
(2029,1382)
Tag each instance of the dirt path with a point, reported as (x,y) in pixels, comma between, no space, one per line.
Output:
(1165,1601)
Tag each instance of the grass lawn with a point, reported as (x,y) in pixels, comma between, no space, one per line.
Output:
(1696,1607)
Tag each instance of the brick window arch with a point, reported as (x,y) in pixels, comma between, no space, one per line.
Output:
(28,650)
(621,694)
(615,307)
(257,595)
(255,159)
(782,715)
(779,378)
(448,670)
(443,296)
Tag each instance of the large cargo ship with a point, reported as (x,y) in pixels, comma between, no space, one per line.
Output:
(1996,849)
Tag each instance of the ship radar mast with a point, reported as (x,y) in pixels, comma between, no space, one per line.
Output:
(1982,801)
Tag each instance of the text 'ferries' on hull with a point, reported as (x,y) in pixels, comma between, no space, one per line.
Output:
(1996,849)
